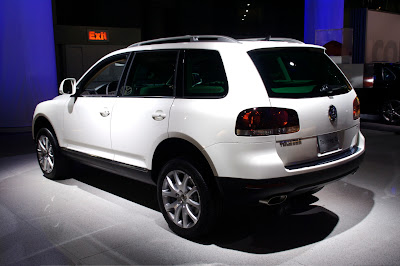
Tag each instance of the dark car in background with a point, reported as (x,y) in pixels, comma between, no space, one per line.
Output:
(381,91)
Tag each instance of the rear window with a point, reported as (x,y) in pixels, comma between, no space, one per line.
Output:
(299,73)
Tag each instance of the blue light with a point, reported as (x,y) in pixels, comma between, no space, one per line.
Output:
(322,15)
(27,59)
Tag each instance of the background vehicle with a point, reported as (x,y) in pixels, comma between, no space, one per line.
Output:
(381,92)
(206,119)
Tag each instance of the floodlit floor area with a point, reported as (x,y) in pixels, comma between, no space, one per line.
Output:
(100,218)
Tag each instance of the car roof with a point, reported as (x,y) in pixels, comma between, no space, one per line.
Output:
(217,42)
(209,42)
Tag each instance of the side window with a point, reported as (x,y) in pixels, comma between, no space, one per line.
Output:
(204,74)
(152,74)
(388,74)
(105,77)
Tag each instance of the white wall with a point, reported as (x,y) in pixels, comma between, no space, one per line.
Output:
(382,37)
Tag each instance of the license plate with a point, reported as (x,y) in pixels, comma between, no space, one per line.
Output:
(328,142)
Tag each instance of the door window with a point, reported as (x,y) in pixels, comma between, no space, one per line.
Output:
(104,78)
(204,74)
(388,75)
(152,74)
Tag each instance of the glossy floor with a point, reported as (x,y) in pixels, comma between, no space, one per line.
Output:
(98,218)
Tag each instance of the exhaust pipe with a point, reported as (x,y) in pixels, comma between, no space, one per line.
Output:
(276,200)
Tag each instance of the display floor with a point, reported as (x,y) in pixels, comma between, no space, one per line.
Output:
(99,218)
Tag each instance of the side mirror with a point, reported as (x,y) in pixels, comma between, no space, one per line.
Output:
(67,86)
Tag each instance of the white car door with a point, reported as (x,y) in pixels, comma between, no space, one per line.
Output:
(87,116)
(141,114)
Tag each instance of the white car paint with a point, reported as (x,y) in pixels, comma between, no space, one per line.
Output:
(130,135)
(87,125)
(135,133)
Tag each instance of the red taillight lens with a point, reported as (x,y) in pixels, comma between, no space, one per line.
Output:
(264,121)
(356,108)
(368,82)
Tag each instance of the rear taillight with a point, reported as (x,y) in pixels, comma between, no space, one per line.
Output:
(356,108)
(264,121)
(368,82)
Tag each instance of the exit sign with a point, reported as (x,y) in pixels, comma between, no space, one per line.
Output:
(98,36)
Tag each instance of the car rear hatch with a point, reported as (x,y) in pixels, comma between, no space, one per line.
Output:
(308,82)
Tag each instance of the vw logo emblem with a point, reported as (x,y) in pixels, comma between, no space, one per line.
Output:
(332,114)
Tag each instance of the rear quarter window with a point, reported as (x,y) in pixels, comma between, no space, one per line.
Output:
(298,73)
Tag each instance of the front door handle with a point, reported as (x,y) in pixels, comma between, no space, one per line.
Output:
(159,115)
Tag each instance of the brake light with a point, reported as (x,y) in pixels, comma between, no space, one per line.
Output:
(368,82)
(264,121)
(356,108)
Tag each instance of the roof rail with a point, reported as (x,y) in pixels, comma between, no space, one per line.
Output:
(285,40)
(269,38)
(187,38)
(255,39)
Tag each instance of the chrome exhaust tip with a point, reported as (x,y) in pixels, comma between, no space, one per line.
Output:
(276,200)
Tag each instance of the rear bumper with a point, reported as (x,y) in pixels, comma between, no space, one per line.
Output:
(248,191)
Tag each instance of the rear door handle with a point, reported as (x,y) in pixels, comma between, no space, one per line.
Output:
(105,113)
(159,115)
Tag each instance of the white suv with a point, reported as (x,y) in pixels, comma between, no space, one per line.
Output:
(207,118)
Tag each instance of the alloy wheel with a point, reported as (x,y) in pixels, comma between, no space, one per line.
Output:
(45,154)
(181,199)
(391,111)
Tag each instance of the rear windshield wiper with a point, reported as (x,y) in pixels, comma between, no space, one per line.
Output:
(330,88)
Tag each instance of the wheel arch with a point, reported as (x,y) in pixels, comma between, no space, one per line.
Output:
(177,147)
(42,122)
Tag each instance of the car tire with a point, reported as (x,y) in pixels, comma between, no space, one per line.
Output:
(390,112)
(51,161)
(185,199)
